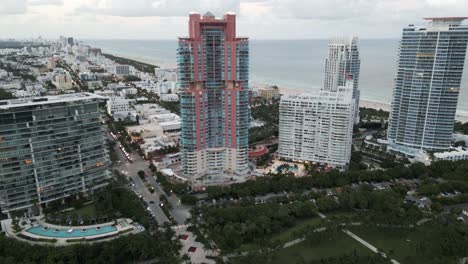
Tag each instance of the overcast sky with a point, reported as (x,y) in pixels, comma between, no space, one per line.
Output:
(258,19)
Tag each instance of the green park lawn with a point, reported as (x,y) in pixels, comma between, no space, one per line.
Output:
(338,245)
(405,245)
(287,234)
(88,210)
(292,232)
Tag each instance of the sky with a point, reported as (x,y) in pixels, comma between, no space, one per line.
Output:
(257,19)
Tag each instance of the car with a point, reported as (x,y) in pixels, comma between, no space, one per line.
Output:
(151,202)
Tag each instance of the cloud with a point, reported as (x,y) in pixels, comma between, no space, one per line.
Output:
(166,19)
(163,8)
(322,9)
(12,7)
(329,10)
(45,2)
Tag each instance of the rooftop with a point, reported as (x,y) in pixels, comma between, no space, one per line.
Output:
(453,152)
(445,18)
(43,100)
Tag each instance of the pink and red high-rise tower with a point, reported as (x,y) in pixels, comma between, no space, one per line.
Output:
(213,74)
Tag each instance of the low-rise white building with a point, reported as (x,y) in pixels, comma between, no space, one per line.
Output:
(118,105)
(3,73)
(105,93)
(318,126)
(452,155)
(150,130)
(170,126)
(166,74)
(148,110)
(170,97)
(128,91)
(62,80)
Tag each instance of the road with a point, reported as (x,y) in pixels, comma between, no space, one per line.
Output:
(178,211)
(131,170)
(368,245)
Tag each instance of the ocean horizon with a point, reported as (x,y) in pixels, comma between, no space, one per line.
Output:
(292,64)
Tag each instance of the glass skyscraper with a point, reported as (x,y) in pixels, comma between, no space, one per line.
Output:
(427,85)
(343,61)
(213,78)
(50,148)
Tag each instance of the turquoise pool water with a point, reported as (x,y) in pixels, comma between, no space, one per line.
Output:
(63,233)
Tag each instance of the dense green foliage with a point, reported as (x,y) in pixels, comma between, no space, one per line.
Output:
(383,206)
(230,227)
(167,150)
(369,113)
(5,95)
(174,107)
(24,74)
(170,187)
(269,114)
(461,127)
(280,182)
(118,201)
(141,66)
(121,250)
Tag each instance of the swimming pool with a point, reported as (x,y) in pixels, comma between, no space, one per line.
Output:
(66,233)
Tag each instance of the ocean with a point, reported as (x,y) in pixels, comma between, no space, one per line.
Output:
(294,64)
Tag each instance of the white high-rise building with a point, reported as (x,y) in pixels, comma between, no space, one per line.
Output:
(343,60)
(318,126)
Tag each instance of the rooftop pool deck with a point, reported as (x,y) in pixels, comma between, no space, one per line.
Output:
(44,231)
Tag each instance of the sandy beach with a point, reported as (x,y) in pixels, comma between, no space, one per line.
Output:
(385,106)
(461,116)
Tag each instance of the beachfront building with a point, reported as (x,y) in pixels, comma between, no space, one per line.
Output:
(50,148)
(118,69)
(343,60)
(318,127)
(213,80)
(269,93)
(427,85)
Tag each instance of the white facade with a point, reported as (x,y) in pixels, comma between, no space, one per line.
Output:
(318,126)
(118,69)
(128,91)
(118,105)
(3,73)
(166,74)
(105,93)
(456,154)
(343,60)
(170,126)
(62,81)
(170,97)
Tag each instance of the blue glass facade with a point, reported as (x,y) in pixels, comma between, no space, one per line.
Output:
(427,85)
